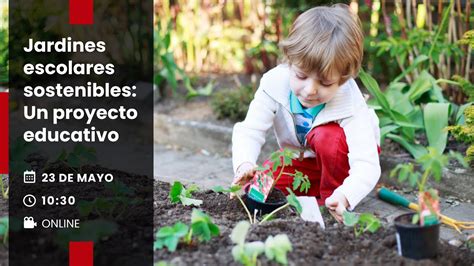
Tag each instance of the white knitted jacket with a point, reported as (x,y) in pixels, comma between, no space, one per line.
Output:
(270,107)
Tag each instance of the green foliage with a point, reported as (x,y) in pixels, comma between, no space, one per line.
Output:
(301,181)
(465,133)
(166,70)
(468,39)
(93,230)
(407,43)
(275,248)
(432,164)
(466,86)
(293,201)
(232,189)
(78,157)
(202,226)
(169,236)
(403,114)
(178,193)
(470,242)
(3,54)
(365,222)
(4,229)
(121,199)
(19,151)
(232,104)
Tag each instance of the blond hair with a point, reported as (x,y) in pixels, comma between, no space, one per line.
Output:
(326,39)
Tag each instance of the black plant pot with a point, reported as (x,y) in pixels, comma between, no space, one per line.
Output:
(263,207)
(415,241)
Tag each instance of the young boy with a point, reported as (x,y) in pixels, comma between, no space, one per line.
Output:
(315,106)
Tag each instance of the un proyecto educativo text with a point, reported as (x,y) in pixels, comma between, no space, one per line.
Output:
(89,90)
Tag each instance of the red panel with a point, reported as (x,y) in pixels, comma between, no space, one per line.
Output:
(81,12)
(81,253)
(4,133)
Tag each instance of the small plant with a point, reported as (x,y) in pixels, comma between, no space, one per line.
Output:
(169,236)
(283,158)
(291,201)
(301,181)
(234,190)
(232,104)
(78,157)
(275,248)
(179,193)
(470,242)
(92,230)
(4,229)
(432,164)
(361,222)
(201,227)
(115,206)
(465,133)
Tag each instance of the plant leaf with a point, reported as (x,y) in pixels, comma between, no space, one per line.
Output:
(277,247)
(350,218)
(436,117)
(293,201)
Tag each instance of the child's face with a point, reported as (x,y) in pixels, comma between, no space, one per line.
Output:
(311,90)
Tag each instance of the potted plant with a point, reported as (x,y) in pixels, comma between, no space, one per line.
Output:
(261,196)
(417,233)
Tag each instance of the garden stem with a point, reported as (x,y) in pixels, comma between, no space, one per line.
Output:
(424,178)
(273,213)
(245,207)
(276,180)
(189,236)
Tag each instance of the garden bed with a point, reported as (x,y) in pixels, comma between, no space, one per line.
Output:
(311,244)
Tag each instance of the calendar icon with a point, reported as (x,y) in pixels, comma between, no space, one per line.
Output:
(29,177)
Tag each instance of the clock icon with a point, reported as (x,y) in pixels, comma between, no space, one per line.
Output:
(29,200)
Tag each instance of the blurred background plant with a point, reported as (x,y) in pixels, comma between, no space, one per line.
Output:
(419,54)
(3,43)
(232,103)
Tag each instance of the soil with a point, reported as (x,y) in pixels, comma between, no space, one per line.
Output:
(3,213)
(311,245)
(130,218)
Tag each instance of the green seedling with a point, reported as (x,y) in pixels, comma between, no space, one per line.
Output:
(169,236)
(275,248)
(4,229)
(178,193)
(291,201)
(80,156)
(202,227)
(470,242)
(361,222)
(113,207)
(432,164)
(235,189)
(282,159)
(93,230)
(301,181)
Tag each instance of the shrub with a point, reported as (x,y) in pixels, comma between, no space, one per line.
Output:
(465,133)
(232,104)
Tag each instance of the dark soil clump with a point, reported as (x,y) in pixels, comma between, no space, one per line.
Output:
(336,245)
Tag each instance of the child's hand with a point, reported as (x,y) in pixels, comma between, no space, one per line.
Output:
(337,204)
(244,174)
